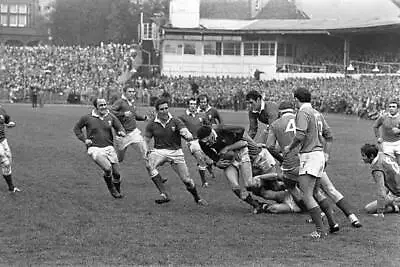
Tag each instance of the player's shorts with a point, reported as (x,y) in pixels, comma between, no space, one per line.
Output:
(288,200)
(241,157)
(133,137)
(107,152)
(5,153)
(194,146)
(312,163)
(158,157)
(391,148)
(291,174)
(264,160)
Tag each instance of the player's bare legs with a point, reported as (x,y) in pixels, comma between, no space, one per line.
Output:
(198,155)
(154,160)
(121,154)
(106,166)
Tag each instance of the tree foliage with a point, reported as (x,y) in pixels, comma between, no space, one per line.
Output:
(89,22)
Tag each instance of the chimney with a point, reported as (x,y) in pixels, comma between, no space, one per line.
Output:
(184,13)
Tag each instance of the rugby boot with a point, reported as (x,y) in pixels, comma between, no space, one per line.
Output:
(111,187)
(335,228)
(163,199)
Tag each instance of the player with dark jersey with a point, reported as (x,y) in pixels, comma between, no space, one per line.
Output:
(213,118)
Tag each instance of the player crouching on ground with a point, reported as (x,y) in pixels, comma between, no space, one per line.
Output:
(5,151)
(167,132)
(225,146)
(99,142)
(386,174)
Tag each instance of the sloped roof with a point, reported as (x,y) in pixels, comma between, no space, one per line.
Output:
(281,9)
(224,9)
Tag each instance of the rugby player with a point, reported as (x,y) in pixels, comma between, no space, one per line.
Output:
(167,132)
(387,131)
(259,110)
(314,137)
(386,174)
(193,120)
(212,114)
(99,142)
(222,141)
(125,110)
(5,151)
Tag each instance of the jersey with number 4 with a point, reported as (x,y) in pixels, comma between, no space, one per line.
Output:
(391,170)
(284,130)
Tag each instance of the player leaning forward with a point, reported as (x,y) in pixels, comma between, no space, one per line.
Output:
(99,142)
(167,132)
(5,152)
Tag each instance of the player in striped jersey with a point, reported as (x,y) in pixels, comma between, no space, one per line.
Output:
(5,152)
(386,174)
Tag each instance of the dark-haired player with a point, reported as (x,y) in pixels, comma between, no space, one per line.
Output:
(386,174)
(193,120)
(224,139)
(212,114)
(99,142)
(167,132)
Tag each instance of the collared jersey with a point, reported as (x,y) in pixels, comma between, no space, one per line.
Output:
(312,126)
(98,129)
(166,136)
(269,112)
(284,130)
(212,116)
(193,121)
(226,135)
(391,170)
(386,122)
(120,107)
(3,121)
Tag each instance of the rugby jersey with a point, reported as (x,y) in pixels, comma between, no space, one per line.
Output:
(386,122)
(3,121)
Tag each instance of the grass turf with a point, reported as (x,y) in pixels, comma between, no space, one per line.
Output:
(65,215)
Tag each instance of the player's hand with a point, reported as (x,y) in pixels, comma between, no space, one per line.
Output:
(88,142)
(396,130)
(380,140)
(11,124)
(223,163)
(121,133)
(128,113)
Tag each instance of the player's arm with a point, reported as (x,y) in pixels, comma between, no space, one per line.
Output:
(116,109)
(379,178)
(211,153)
(78,129)
(253,124)
(378,123)
(273,176)
(183,131)
(148,135)
(117,125)
(270,145)
(328,136)
(235,146)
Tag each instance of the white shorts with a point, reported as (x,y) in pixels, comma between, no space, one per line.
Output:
(242,156)
(288,200)
(158,157)
(5,153)
(312,163)
(107,152)
(264,160)
(194,146)
(391,148)
(133,137)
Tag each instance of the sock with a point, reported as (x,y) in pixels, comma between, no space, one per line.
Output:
(9,181)
(117,181)
(326,208)
(192,190)
(353,218)
(210,169)
(315,214)
(157,180)
(202,176)
(344,206)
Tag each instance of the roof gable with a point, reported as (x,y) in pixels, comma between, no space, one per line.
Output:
(225,9)
(281,9)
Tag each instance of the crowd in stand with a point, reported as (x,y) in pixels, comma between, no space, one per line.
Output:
(90,72)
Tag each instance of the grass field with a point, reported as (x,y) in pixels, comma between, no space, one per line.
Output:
(65,215)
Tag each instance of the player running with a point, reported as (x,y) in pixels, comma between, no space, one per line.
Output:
(386,174)
(193,120)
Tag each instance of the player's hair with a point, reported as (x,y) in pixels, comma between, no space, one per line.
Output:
(160,101)
(393,101)
(253,95)
(285,106)
(202,96)
(203,132)
(191,99)
(370,150)
(303,95)
(126,88)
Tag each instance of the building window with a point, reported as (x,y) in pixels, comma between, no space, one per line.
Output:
(170,49)
(285,50)
(257,5)
(148,29)
(232,48)
(15,15)
(267,49)
(250,49)
(189,49)
(210,48)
